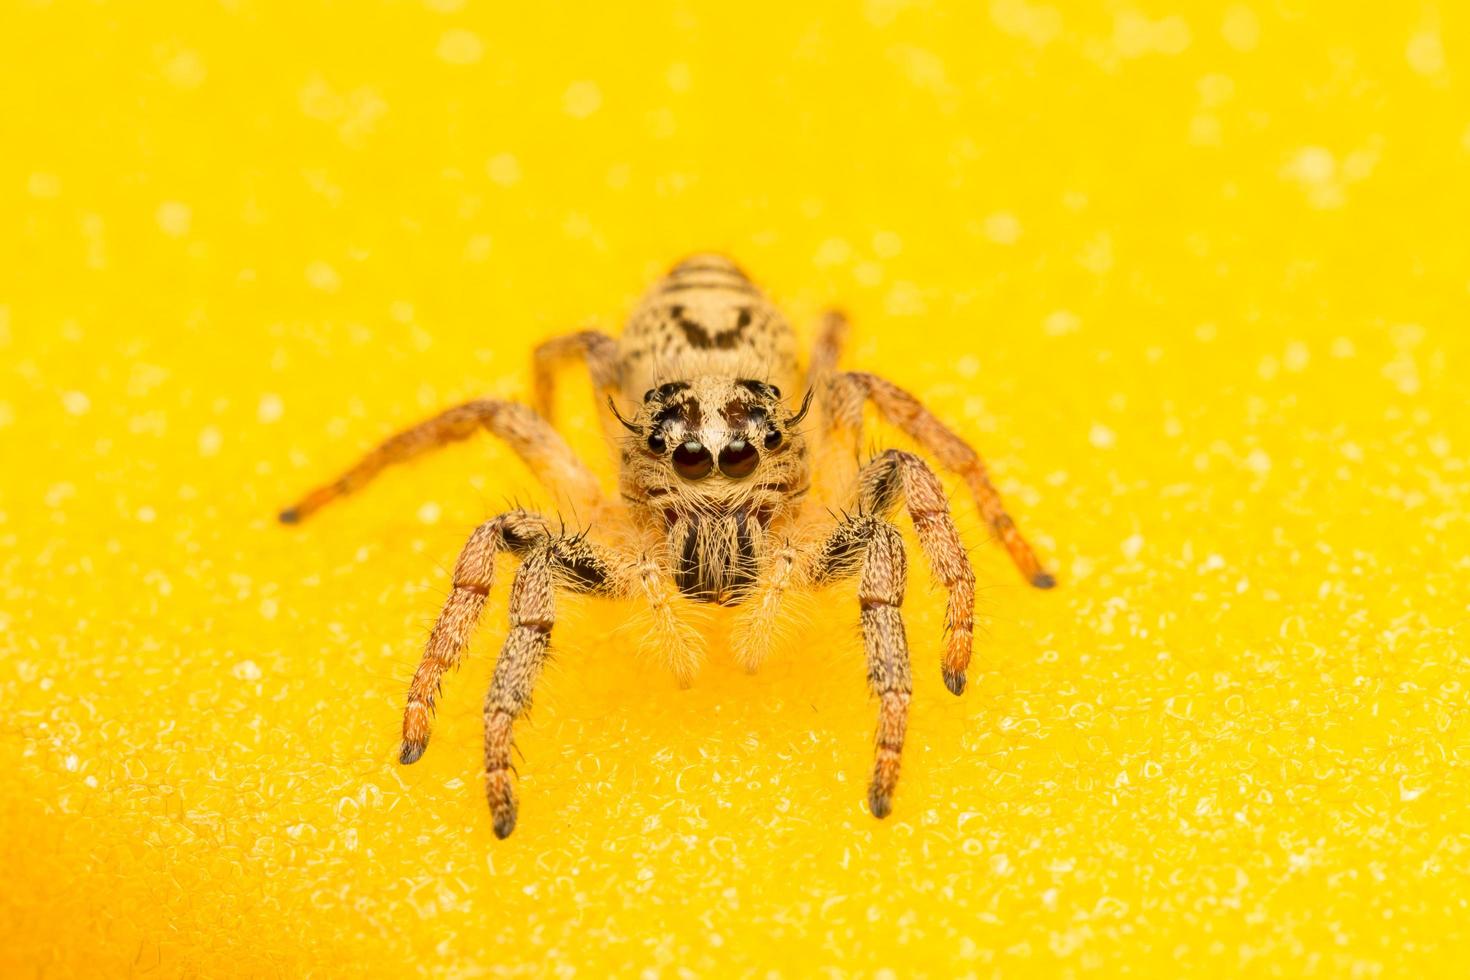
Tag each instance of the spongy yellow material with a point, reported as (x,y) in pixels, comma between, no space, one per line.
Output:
(1193,278)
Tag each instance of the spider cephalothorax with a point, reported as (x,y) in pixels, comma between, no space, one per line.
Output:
(716,460)
(715,474)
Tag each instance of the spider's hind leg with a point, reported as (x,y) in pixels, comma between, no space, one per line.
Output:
(843,396)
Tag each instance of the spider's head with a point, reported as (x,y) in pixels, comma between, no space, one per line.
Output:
(714,433)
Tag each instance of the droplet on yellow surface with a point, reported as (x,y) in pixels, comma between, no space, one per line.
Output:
(503,169)
(581,99)
(832,251)
(887,244)
(185,69)
(43,185)
(1003,228)
(270,409)
(174,217)
(1059,323)
(76,402)
(210,441)
(460,47)
(1425,52)
(1241,28)
(322,276)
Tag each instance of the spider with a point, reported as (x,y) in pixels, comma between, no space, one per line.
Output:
(714,480)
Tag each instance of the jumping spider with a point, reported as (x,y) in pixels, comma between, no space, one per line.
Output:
(714,481)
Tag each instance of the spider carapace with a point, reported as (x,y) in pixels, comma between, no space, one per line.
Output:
(715,473)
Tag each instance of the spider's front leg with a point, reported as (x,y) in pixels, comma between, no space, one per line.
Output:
(531,436)
(893,476)
(550,561)
(888,479)
(873,548)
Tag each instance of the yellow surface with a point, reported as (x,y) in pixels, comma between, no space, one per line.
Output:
(1194,279)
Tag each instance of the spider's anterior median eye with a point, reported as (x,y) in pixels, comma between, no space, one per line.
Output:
(773,439)
(738,459)
(656,442)
(692,461)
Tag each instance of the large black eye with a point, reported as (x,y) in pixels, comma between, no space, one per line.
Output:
(773,439)
(656,443)
(738,459)
(692,461)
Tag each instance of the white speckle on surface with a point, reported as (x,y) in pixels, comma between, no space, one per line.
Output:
(832,251)
(1038,23)
(43,185)
(1059,323)
(905,299)
(1132,546)
(210,440)
(246,670)
(1313,165)
(1297,357)
(322,276)
(581,99)
(1135,34)
(1258,462)
(1215,90)
(429,512)
(503,169)
(1315,168)
(270,409)
(1425,53)
(76,402)
(1101,436)
(679,77)
(269,608)
(1003,228)
(1241,28)
(458,46)
(174,217)
(887,244)
(477,249)
(146,514)
(185,69)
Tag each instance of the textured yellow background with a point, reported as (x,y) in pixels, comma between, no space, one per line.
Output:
(1194,279)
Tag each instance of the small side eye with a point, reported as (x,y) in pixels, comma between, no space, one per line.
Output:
(656,443)
(648,395)
(692,461)
(775,391)
(773,439)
